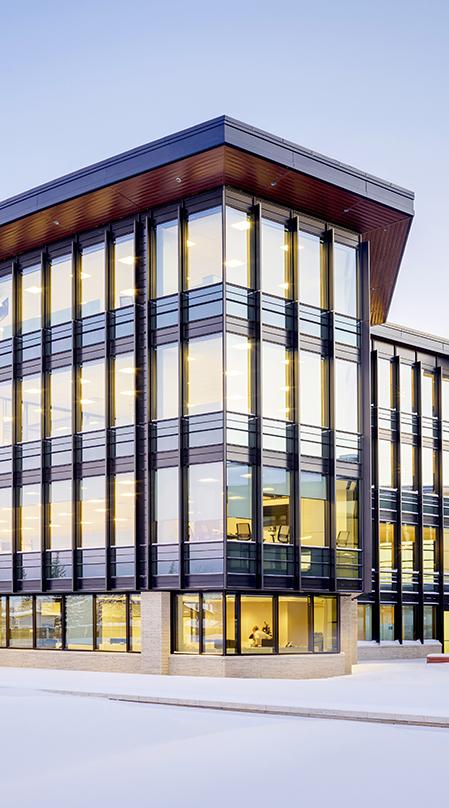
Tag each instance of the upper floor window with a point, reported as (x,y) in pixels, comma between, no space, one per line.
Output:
(408,467)
(6,417)
(276,505)
(347,513)
(385,396)
(313,389)
(167,505)
(239,502)
(238,239)
(124,263)
(6,520)
(407,386)
(314,531)
(205,502)
(61,284)
(311,268)
(204,248)
(93,397)
(31,299)
(445,399)
(204,375)
(92,277)
(346,396)
(124,390)
(93,512)
(238,373)
(166,402)
(276,384)
(385,464)
(6,307)
(31,408)
(345,280)
(30,526)
(124,510)
(275,259)
(60,406)
(428,394)
(60,513)
(167,259)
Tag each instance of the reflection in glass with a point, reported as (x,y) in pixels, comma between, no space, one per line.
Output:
(276,505)
(276,386)
(345,280)
(445,399)
(167,381)
(21,621)
(294,625)
(313,389)
(231,625)
(188,623)
(407,384)
(204,375)
(385,397)
(409,560)
(212,623)
(408,467)
(204,248)
(239,502)
(205,506)
(409,622)
(6,417)
(124,390)
(135,623)
(430,623)
(79,627)
(124,510)
(6,307)
(167,258)
(124,271)
(60,515)
(31,409)
(312,276)
(49,621)
(387,623)
(428,394)
(31,299)
(325,625)
(429,466)
(238,239)
(365,622)
(385,464)
(347,513)
(429,549)
(167,505)
(314,532)
(60,408)
(92,274)
(346,396)
(386,553)
(92,401)
(6,517)
(3,625)
(238,373)
(256,625)
(93,512)
(275,259)
(111,622)
(29,540)
(61,282)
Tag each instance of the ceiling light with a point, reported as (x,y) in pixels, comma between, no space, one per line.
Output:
(84,275)
(127,259)
(127,393)
(178,180)
(190,243)
(284,247)
(233,263)
(208,480)
(129,370)
(33,390)
(85,401)
(127,292)
(34,290)
(244,225)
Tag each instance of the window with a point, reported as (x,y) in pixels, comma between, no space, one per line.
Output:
(325,625)
(407,387)
(428,394)
(167,258)
(276,371)
(60,407)
(430,623)
(3,621)
(445,399)
(238,373)
(29,519)
(239,502)
(31,408)
(386,554)
(93,512)
(345,280)
(256,625)
(313,389)
(135,623)
(212,623)
(204,248)
(92,276)
(124,390)
(111,623)
(188,623)
(238,239)
(61,283)
(49,621)
(205,506)
(430,566)
(6,515)
(167,381)
(429,470)
(346,396)
(21,621)
(385,397)
(314,532)
(408,467)
(60,515)
(6,307)
(409,623)
(294,625)
(385,464)
(124,510)
(204,375)
(347,513)
(408,555)
(79,622)
(124,271)
(276,505)
(167,505)
(312,275)
(387,623)
(6,417)
(31,299)
(275,259)
(92,401)
(365,622)
(446,551)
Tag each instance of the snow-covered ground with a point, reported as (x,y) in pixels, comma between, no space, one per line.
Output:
(91,752)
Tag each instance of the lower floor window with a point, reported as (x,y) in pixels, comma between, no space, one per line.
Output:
(386,622)
(211,623)
(365,621)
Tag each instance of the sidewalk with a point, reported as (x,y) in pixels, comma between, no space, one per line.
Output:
(408,692)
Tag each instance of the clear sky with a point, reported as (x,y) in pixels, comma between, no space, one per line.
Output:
(365,82)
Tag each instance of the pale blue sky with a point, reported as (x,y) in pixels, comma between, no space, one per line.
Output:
(364,82)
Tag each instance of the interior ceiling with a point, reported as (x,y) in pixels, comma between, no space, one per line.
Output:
(384,227)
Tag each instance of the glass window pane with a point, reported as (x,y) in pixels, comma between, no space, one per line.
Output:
(385,464)
(6,307)
(231,625)
(314,532)
(275,259)
(204,375)
(386,554)
(276,505)
(408,622)
(313,389)
(125,507)
(407,384)
(365,622)
(31,409)
(60,515)
(325,625)
(294,630)
(92,275)
(386,623)
(409,561)
(256,625)
(6,515)
(79,629)
(347,513)
(21,621)
(49,621)
(238,373)
(93,512)
(124,390)
(167,258)
(430,566)
(429,470)
(111,623)
(312,276)
(188,623)
(61,282)
(238,240)
(124,271)
(3,632)
(276,375)
(135,621)
(428,394)
(385,383)
(430,623)
(205,508)
(31,299)
(239,502)
(167,505)
(60,406)
(29,519)
(445,399)
(213,623)
(346,396)
(408,467)
(6,417)
(345,280)
(204,248)
(92,401)
(167,381)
